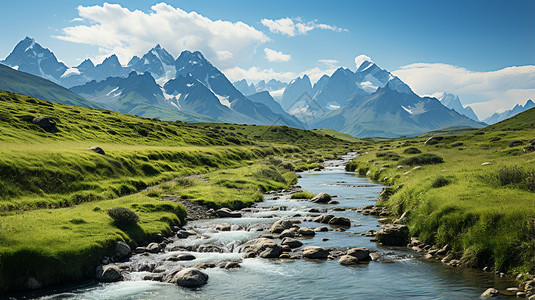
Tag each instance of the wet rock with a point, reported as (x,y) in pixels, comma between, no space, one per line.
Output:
(324,239)
(348,260)
(108,273)
(231,265)
(139,250)
(375,256)
(223,228)
(249,255)
(47,123)
(333,202)
(393,235)
(146,267)
(291,242)
(153,277)
(363,254)
(280,226)
(490,292)
(285,256)
(340,221)
(266,248)
(286,248)
(227,213)
(305,231)
(98,150)
(315,252)
(122,250)
(190,278)
(205,265)
(443,251)
(182,234)
(321,229)
(288,233)
(210,248)
(321,198)
(153,248)
(323,219)
(182,257)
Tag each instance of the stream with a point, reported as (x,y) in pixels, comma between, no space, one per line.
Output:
(400,273)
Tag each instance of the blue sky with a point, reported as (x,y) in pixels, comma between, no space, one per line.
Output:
(470,37)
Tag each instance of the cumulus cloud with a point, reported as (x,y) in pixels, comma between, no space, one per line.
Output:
(328,62)
(293,27)
(486,92)
(116,29)
(276,56)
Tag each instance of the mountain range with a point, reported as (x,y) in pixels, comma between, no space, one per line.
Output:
(367,102)
(498,117)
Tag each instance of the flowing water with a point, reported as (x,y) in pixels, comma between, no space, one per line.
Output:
(401,274)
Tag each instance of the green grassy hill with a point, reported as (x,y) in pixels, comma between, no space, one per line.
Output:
(480,200)
(55,191)
(35,86)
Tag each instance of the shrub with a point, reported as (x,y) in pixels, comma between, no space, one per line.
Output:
(123,216)
(513,176)
(440,181)
(412,150)
(424,159)
(271,174)
(388,155)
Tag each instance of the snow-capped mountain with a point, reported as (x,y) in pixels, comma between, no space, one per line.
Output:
(390,112)
(30,57)
(453,102)
(158,62)
(498,117)
(244,87)
(297,94)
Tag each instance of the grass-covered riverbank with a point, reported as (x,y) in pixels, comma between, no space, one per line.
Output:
(55,192)
(474,191)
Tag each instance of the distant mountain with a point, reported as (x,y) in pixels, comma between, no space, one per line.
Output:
(266,99)
(498,117)
(35,86)
(297,93)
(453,102)
(244,87)
(270,86)
(392,112)
(30,57)
(136,95)
(87,71)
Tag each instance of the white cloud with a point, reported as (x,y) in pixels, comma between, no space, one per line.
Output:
(328,62)
(360,59)
(293,27)
(115,29)
(276,56)
(486,92)
(256,74)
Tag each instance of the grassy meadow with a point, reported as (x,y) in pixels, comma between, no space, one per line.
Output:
(55,191)
(473,190)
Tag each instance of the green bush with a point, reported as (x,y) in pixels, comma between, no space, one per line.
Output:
(513,176)
(440,181)
(412,150)
(303,195)
(424,159)
(388,155)
(123,216)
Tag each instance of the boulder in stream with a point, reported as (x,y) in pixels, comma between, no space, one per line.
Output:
(348,260)
(190,277)
(108,273)
(490,292)
(315,252)
(153,248)
(323,219)
(363,254)
(280,226)
(322,197)
(393,235)
(265,248)
(122,250)
(340,221)
(305,231)
(290,232)
(291,242)
(227,213)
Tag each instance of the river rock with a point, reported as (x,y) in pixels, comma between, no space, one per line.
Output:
(333,202)
(280,226)
(266,248)
(210,248)
(190,277)
(321,229)
(182,234)
(291,242)
(153,248)
(205,265)
(231,265)
(490,292)
(340,221)
(363,254)
(47,123)
(348,260)
(122,250)
(108,273)
(98,150)
(323,219)
(315,252)
(288,233)
(321,198)
(305,231)
(227,213)
(393,235)
(182,257)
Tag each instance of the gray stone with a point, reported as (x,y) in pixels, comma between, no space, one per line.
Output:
(305,231)
(363,254)
(291,242)
(340,221)
(266,248)
(280,226)
(191,278)
(323,219)
(182,234)
(47,123)
(490,292)
(122,250)
(227,213)
(288,233)
(393,235)
(108,273)
(322,229)
(348,260)
(153,248)
(321,198)
(315,252)
(97,150)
